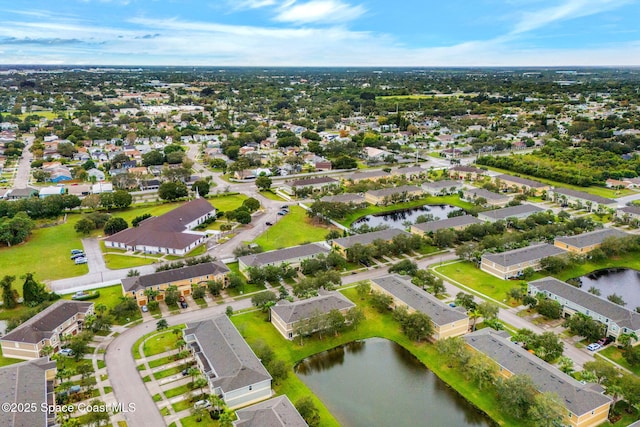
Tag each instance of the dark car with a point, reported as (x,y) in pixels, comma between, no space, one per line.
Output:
(78,255)
(184,304)
(76,251)
(284,207)
(268,223)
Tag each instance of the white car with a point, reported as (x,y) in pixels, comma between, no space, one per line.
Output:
(594,346)
(66,352)
(202,404)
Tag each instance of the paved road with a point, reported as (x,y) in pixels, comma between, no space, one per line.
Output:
(125,378)
(23,172)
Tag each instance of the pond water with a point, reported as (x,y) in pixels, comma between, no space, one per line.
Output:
(376,382)
(397,219)
(621,281)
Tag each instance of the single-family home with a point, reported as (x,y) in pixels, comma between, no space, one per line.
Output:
(586,403)
(292,256)
(171,233)
(519,212)
(285,315)
(385,196)
(490,198)
(24,385)
(520,185)
(184,278)
(344,243)
(506,265)
(97,174)
(447,321)
(46,328)
(453,223)
(581,200)
(470,173)
(442,188)
(318,183)
(102,187)
(617,319)
(231,368)
(21,193)
(586,242)
(276,412)
(79,190)
(50,191)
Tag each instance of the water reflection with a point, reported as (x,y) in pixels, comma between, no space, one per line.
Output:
(378,383)
(624,282)
(397,219)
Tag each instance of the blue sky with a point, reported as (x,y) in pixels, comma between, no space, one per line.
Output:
(321,32)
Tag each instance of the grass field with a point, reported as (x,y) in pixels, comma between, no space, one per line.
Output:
(148,338)
(291,230)
(55,244)
(271,195)
(431,200)
(630,260)
(117,261)
(614,353)
(598,191)
(228,202)
(472,277)
(109,296)
(253,326)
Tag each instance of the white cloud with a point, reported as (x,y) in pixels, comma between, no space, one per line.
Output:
(315,11)
(569,9)
(251,4)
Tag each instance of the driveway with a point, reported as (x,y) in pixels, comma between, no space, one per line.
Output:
(94,255)
(23,169)
(125,378)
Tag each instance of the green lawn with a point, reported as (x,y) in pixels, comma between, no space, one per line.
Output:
(162,361)
(191,421)
(271,195)
(228,202)
(177,391)
(167,372)
(117,261)
(598,191)
(109,296)
(4,361)
(56,242)
(453,200)
(614,353)
(147,338)
(291,230)
(160,343)
(253,326)
(182,405)
(472,277)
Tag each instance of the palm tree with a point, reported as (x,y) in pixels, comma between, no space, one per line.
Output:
(198,412)
(193,371)
(200,383)
(100,309)
(475,315)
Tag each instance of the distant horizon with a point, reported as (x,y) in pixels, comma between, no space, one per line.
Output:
(322,33)
(567,68)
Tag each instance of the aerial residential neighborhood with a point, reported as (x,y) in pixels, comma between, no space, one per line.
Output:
(319,213)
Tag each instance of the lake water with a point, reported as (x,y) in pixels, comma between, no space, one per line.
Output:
(621,281)
(397,219)
(376,382)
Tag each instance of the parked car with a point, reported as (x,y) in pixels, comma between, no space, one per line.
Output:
(66,352)
(76,251)
(144,308)
(184,304)
(269,223)
(185,372)
(202,404)
(281,213)
(81,260)
(594,346)
(284,207)
(78,255)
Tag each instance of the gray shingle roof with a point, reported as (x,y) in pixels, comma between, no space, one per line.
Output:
(623,317)
(233,364)
(584,196)
(168,230)
(212,268)
(344,198)
(456,221)
(468,169)
(25,383)
(512,211)
(522,181)
(420,300)
(276,412)
(439,185)
(283,255)
(313,181)
(42,325)
(481,192)
(526,254)
(577,397)
(591,238)
(368,238)
(291,312)
(367,175)
(394,190)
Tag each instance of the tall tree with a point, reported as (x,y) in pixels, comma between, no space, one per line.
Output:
(9,295)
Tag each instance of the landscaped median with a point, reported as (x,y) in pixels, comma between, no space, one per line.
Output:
(254,327)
